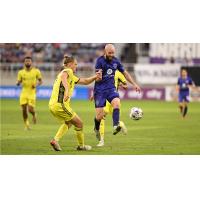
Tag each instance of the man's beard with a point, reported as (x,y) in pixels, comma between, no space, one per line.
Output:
(109,58)
(27,66)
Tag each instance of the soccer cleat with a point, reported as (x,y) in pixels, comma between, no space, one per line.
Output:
(84,148)
(117,129)
(27,128)
(55,145)
(97,134)
(124,129)
(101,143)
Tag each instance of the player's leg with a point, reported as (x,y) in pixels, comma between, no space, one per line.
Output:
(78,127)
(97,121)
(25,116)
(116,115)
(32,111)
(64,117)
(60,133)
(100,102)
(181,105)
(102,132)
(185,109)
(31,108)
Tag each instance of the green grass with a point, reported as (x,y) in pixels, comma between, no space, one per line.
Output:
(161,131)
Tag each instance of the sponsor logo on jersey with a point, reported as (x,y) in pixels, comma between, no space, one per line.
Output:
(109,71)
(115,65)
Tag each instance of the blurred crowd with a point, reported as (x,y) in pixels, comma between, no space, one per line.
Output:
(50,52)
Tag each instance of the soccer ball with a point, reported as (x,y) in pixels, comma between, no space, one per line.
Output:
(136,113)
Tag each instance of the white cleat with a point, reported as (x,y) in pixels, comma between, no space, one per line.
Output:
(101,143)
(124,129)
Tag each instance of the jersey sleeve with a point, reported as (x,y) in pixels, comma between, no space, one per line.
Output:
(120,67)
(98,65)
(190,81)
(19,76)
(76,79)
(122,78)
(38,74)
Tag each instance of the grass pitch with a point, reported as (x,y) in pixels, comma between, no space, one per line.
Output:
(160,132)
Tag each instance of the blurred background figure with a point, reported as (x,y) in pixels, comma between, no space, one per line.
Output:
(156,65)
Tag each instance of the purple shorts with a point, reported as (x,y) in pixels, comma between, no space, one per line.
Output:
(183,97)
(101,97)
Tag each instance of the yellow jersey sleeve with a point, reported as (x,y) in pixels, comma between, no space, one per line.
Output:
(76,79)
(38,74)
(69,72)
(121,78)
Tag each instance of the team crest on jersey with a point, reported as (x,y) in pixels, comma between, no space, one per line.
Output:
(115,65)
(109,71)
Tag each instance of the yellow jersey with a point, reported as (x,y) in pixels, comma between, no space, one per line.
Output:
(59,90)
(28,79)
(119,78)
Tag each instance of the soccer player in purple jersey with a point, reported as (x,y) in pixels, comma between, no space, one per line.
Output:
(183,87)
(105,88)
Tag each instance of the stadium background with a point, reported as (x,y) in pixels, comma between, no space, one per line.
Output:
(156,66)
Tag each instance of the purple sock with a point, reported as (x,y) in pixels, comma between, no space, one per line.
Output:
(115,116)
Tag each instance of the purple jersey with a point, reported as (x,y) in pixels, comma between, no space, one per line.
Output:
(184,84)
(108,73)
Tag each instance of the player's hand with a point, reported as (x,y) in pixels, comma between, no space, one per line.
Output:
(137,88)
(66,97)
(99,75)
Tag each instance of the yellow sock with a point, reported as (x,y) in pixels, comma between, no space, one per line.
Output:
(61,131)
(102,128)
(27,124)
(80,136)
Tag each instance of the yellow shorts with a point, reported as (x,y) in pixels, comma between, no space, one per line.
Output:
(27,99)
(62,112)
(108,108)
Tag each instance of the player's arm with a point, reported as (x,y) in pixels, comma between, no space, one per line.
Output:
(87,81)
(19,79)
(131,81)
(64,77)
(39,79)
(178,86)
(123,85)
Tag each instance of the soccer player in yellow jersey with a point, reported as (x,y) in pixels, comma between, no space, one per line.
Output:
(59,103)
(29,77)
(120,81)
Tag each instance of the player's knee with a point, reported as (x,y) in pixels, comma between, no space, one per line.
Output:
(100,116)
(30,109)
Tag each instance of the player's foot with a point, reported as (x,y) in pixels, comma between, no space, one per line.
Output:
(34,119)
(117,129)
(55,145)
(97,134)
(101,143)
(84,148)
(27,128)
(124,129)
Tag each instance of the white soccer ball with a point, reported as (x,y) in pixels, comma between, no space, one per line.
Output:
(136,113)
